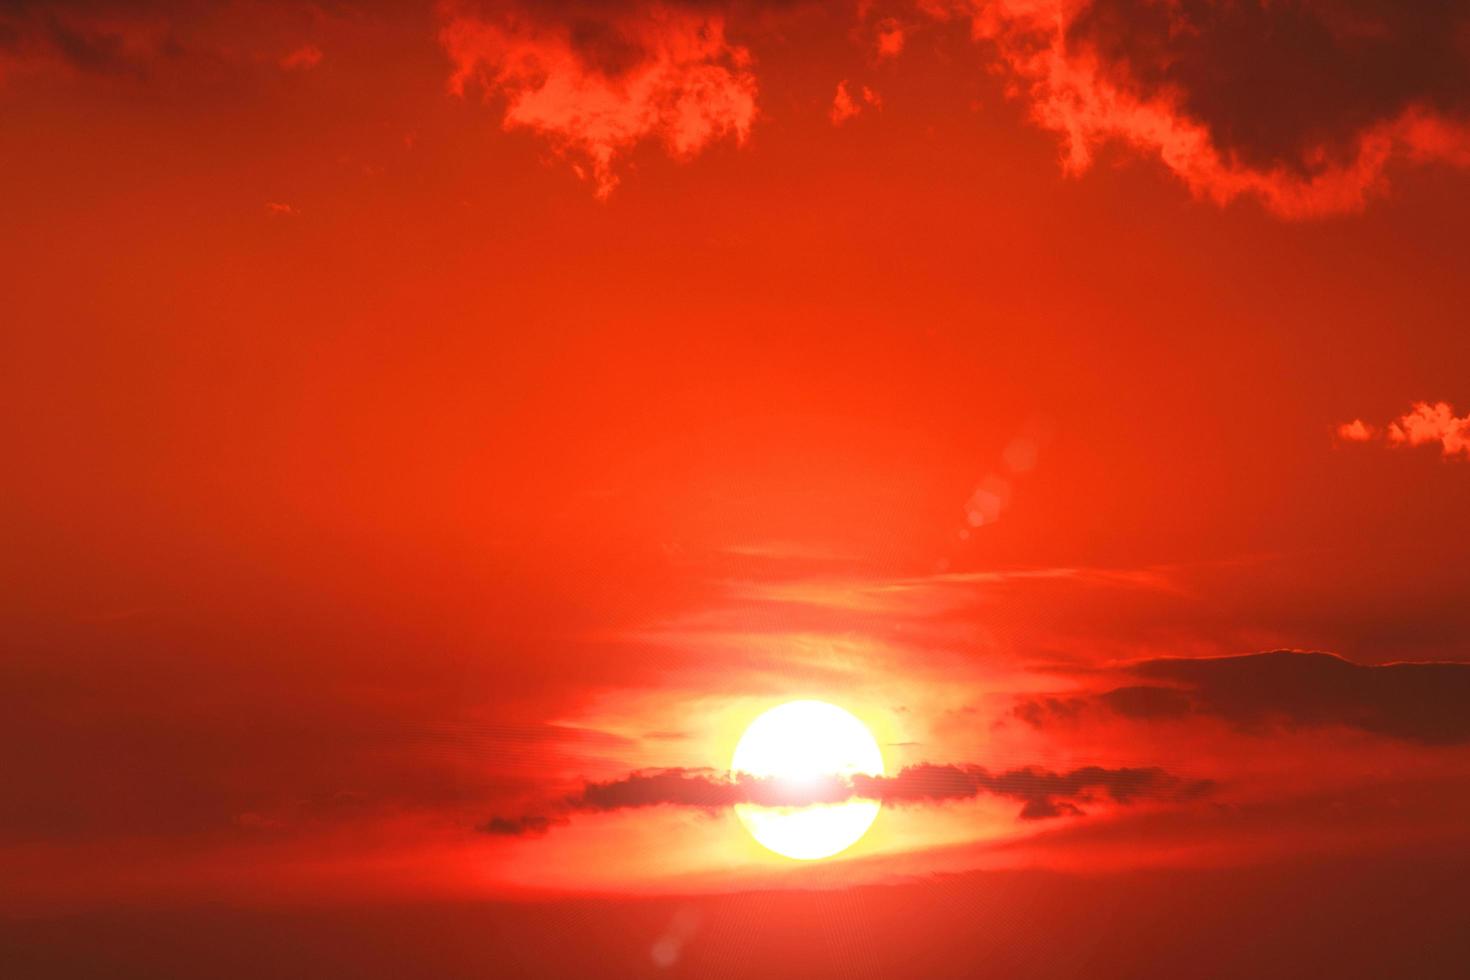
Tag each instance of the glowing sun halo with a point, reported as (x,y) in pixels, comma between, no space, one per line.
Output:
(798,742)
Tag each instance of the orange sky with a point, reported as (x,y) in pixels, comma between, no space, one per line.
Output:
(420,413)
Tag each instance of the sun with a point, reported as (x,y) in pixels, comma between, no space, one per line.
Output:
(802,741)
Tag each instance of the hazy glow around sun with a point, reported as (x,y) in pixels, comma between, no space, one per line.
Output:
(804,741)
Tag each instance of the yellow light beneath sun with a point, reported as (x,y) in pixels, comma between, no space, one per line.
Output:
(804,741)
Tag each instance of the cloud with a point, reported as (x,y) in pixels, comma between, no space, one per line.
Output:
(522,826)
(600,79)
(1305,105)
(1042,793)
(90,38)
(1427,424)
(1145,702)
(165,41)
(1419,702)
(890,38)
(1427,703)
(1423,425)
(1037,712)
(302,58)
(846,105)
(1302,104)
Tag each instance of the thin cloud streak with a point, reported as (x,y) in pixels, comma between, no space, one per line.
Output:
(1044,794)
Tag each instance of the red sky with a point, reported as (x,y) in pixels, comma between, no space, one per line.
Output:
(428,421)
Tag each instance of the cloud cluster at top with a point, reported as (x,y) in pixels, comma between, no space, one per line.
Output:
(1305,105)
(1043,794)
(1302,104)
(596,80)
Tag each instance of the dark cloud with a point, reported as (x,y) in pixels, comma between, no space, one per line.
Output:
(1286,83)
(522,826)
(1427,703)
(96,38)
(1418,702)
(1142,701)
(1037,711)
(1300,103)
(699,788)
(1042,793)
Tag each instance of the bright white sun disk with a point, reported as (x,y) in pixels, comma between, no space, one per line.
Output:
(805,742)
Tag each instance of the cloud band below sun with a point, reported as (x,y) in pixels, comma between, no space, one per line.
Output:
(1044,794)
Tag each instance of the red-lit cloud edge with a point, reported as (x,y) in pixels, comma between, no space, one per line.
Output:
(1236,100)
